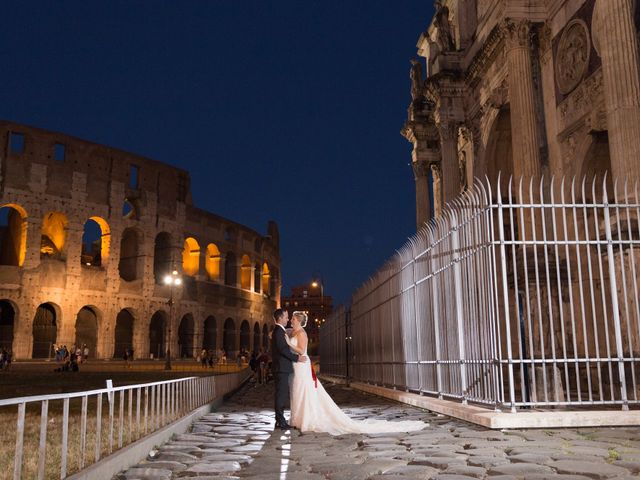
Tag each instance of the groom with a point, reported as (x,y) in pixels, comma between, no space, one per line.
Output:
(282,365)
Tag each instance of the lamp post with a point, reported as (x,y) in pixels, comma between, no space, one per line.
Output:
(172,280)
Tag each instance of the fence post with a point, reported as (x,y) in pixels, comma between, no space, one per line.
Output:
(457,280)
(613,285)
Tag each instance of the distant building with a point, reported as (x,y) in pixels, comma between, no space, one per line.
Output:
(310,299)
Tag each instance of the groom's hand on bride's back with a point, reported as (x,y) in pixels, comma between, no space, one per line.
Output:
(302,358)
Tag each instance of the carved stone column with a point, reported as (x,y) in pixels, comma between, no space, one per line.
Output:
(617,44)
(424,137)
(449,163)
(436,175)
(423,203)
(524,125)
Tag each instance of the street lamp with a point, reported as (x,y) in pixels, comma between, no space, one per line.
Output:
(172,280)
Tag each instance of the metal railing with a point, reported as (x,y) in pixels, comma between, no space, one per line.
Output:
(74,430)
(516,296)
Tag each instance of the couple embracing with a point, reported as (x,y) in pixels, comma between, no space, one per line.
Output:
(312,409)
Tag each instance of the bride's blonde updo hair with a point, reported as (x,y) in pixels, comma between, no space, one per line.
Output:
(302,318)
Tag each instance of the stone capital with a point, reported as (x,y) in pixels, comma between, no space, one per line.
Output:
(420,169)
(448,130)
(517,33)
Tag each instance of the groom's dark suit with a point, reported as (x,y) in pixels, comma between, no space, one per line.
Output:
(282,367)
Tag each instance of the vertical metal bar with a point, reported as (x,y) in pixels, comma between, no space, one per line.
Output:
(614,305)
(138,426)
(83,431)
(17,461)
(457,280)
(99,427)
(121,419)
(146,409)
(130,434)
(65,437)
(42,446)
(112,402)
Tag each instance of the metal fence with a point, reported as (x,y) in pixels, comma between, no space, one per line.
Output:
(518,295)
(64,433)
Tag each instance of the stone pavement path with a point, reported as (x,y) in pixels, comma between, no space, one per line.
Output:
(238,441)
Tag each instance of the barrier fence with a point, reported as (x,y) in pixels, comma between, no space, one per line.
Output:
(64,433)
(515,296)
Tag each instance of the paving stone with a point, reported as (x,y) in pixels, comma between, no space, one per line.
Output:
(486,462)
(633,467)
(449,476)
(173,466)
(518,469)
(147,472)
(213,467)
(529,458)
(437,462)
(595,470)
(477,472)
(555,476)
(414,471)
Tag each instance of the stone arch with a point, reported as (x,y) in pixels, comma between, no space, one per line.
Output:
(13,235)
(229,336)
(266,277)
(87,328)
(130,265)
(96,241)
(162,256)
(256,336)
(245,272)
(123,333)
(186,333)
(245,335)
(191,257)
(210,333)
(265,337)
(44,330)
(54,235)
(212,262)
(157,326)
(7,324)
(499,151)
(230,270)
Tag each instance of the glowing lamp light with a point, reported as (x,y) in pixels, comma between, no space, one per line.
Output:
(168,280)
(178,281)
(314,284)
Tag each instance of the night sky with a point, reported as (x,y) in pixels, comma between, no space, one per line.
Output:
(285,110)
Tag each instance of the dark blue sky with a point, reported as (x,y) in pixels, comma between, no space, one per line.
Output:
(285,110)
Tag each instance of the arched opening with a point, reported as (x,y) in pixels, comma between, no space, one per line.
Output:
(210,334)
(162,256)
(156,334)
(185,336)
(257,275)
(96,240)
(123,334)
(256,337)
(266,277)
(245,335)
(130,266)
(45,331)
(7,319)
(265,337)
(229,336)
(212,262)
(54,235)
(230,270)
(13,235)
(87,329)
(191,257)
(245,273)
(499,151)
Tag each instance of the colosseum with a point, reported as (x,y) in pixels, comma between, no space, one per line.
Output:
(88,234)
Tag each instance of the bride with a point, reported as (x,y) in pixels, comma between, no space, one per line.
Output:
(313,410)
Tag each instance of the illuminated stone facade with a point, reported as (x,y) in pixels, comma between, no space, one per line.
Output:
(525,89)
(88,235)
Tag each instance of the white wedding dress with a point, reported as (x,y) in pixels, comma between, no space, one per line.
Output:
(313,410)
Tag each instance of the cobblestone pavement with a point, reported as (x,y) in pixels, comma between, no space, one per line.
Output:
(238,441)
